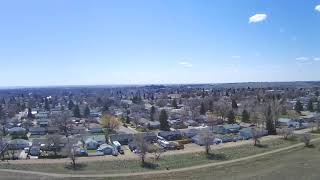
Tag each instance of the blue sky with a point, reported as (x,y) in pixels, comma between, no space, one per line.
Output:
(64,42)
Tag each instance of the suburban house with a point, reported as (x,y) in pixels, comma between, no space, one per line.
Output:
(53,129)
(16,144)
(154,125)
(40,142)
(150,136)
(37,131)
(190,122)
(43,122)
(288,122)
(91,144)
(246,133)
(17,131)
(100,139)
(226,129)
(200,140)
(123,139)
(170,135)
(95,128)
(77,130)
(41,114)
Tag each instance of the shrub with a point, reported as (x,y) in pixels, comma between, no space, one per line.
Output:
(306,138)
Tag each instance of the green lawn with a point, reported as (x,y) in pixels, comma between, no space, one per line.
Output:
(173,161)
(297,164)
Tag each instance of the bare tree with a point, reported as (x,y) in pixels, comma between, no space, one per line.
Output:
(3,146)
(306,139)
(110,122)
(256,135)
(222,108)
(157,152)
(54,141)
(142,147)
(207,139)
(286,132)
(212,121)
(69,150)
(62,120)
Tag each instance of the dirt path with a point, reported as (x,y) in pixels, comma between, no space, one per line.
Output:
(159,171)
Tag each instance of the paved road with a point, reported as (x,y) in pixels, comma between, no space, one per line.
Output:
(126,130)
(156,172)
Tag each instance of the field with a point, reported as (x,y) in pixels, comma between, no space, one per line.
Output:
(297,164)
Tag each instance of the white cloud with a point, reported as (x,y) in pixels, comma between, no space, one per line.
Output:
(257,18)
(316,58)
(302,58)
(317,8)
(235,57)
(186,64)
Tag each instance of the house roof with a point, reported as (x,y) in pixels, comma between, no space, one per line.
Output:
(18,141)
(17,129)
(37,129)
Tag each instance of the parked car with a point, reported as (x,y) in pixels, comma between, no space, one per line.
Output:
(82,152)
(34,151)
(132,146)
(164,144)
(176,146)
(217,141)
(106,149)
(118,147)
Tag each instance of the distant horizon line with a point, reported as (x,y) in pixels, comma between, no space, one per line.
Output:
(142,84)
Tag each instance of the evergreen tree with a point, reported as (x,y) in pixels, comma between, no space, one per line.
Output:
(76,111)
(269,122)
(202,109)
(105,107)
(298,107)
(152,113)
(231,117)
(163,118)
(29,115)
(46,104)
(245,116)
(86,111)
(3,121)
(3,101)
(23,107)
(234,104)
(318,106)
(70,105)
(136,99)
(310,106)
(127,119)
(211,105)
(174,104)
(1,112)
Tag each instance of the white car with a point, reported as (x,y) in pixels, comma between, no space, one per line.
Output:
(217,141)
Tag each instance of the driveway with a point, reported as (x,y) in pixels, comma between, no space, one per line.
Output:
(126,130)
